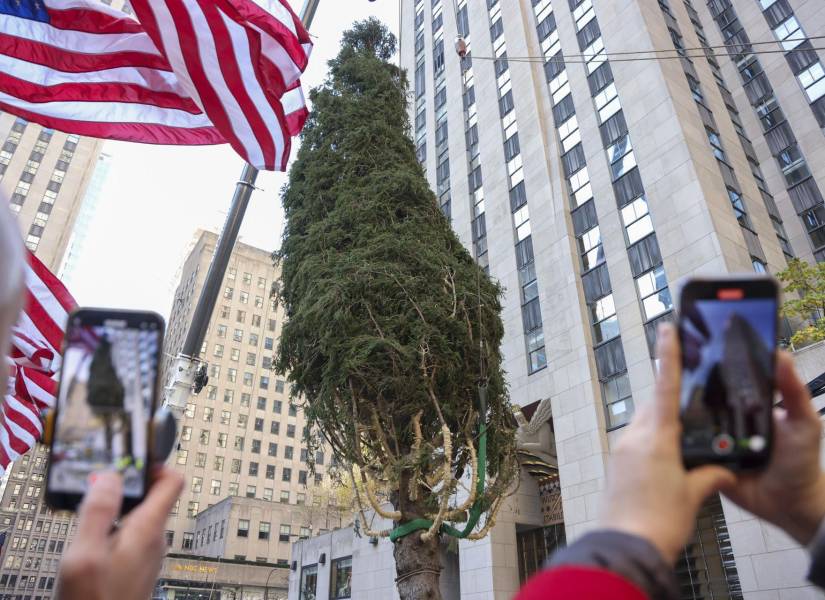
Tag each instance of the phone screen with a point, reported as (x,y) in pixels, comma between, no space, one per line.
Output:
(105,402)
(728,335)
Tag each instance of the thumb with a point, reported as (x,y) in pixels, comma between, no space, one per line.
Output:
(704,481)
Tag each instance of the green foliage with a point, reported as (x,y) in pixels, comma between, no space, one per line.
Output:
(388,314)
(806,283)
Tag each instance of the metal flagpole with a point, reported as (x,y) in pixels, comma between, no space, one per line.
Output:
(185,365)
(226,242)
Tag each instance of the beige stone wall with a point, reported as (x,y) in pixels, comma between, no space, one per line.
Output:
(235,411)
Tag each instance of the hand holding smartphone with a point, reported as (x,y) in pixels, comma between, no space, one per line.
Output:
(728,333)
(107,398)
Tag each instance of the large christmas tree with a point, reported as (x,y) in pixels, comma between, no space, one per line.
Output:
(393,331)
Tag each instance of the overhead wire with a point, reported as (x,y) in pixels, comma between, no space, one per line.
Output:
(634,54)
(573,59)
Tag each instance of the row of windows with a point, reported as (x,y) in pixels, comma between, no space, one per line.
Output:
(528,283)
(21,190)
(440,105)
(243,297)
(735,118)
(238,334)
(601,306)
(716,146)
(804,193)
(246,278)
(233,489)
(240,317)
(248,379)
(200,458)
(26,581)
(475,180)
(223,439)
(286,476)
(246,399)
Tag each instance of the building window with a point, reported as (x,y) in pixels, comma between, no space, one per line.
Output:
(283,533)
(273,449)
(618,400)
(264,382)
(197,484)
(637,221)
(716,145)
(188,539)
(341,579)
(286,474)
(215,489)
(192,509)
(243,528)
(789,33)
(250,491)
(263,531)
(654,293)
(604,319)
(182,456)
(590,248)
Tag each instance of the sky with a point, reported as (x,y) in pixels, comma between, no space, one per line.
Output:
(156,197)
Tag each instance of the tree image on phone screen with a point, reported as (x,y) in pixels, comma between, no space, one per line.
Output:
(727,379)
(104,403)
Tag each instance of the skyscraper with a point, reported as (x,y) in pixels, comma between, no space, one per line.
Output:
(241,437)
(44,173)
(590,154)
(85,217)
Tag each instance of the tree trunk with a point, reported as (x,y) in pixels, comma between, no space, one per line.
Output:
(418,567)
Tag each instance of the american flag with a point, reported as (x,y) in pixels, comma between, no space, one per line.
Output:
(34,361)
(185,72)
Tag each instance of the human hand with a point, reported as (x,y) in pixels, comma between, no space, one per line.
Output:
(790,493)
(649,492)
(102,564)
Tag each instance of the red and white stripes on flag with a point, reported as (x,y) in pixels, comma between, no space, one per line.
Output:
(236,59)
(185,72)
(34,361)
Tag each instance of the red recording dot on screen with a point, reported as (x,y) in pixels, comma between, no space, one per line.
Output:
(730,294)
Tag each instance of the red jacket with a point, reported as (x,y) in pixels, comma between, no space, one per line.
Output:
(579,583)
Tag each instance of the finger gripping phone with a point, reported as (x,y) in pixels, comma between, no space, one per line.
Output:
(107,395)
(728,334)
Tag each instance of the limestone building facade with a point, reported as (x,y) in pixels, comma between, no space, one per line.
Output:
(591,154)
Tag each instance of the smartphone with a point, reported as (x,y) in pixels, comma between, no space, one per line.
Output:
(728,333)
(107,396)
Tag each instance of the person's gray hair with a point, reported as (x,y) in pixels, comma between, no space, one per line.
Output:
(11,259)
